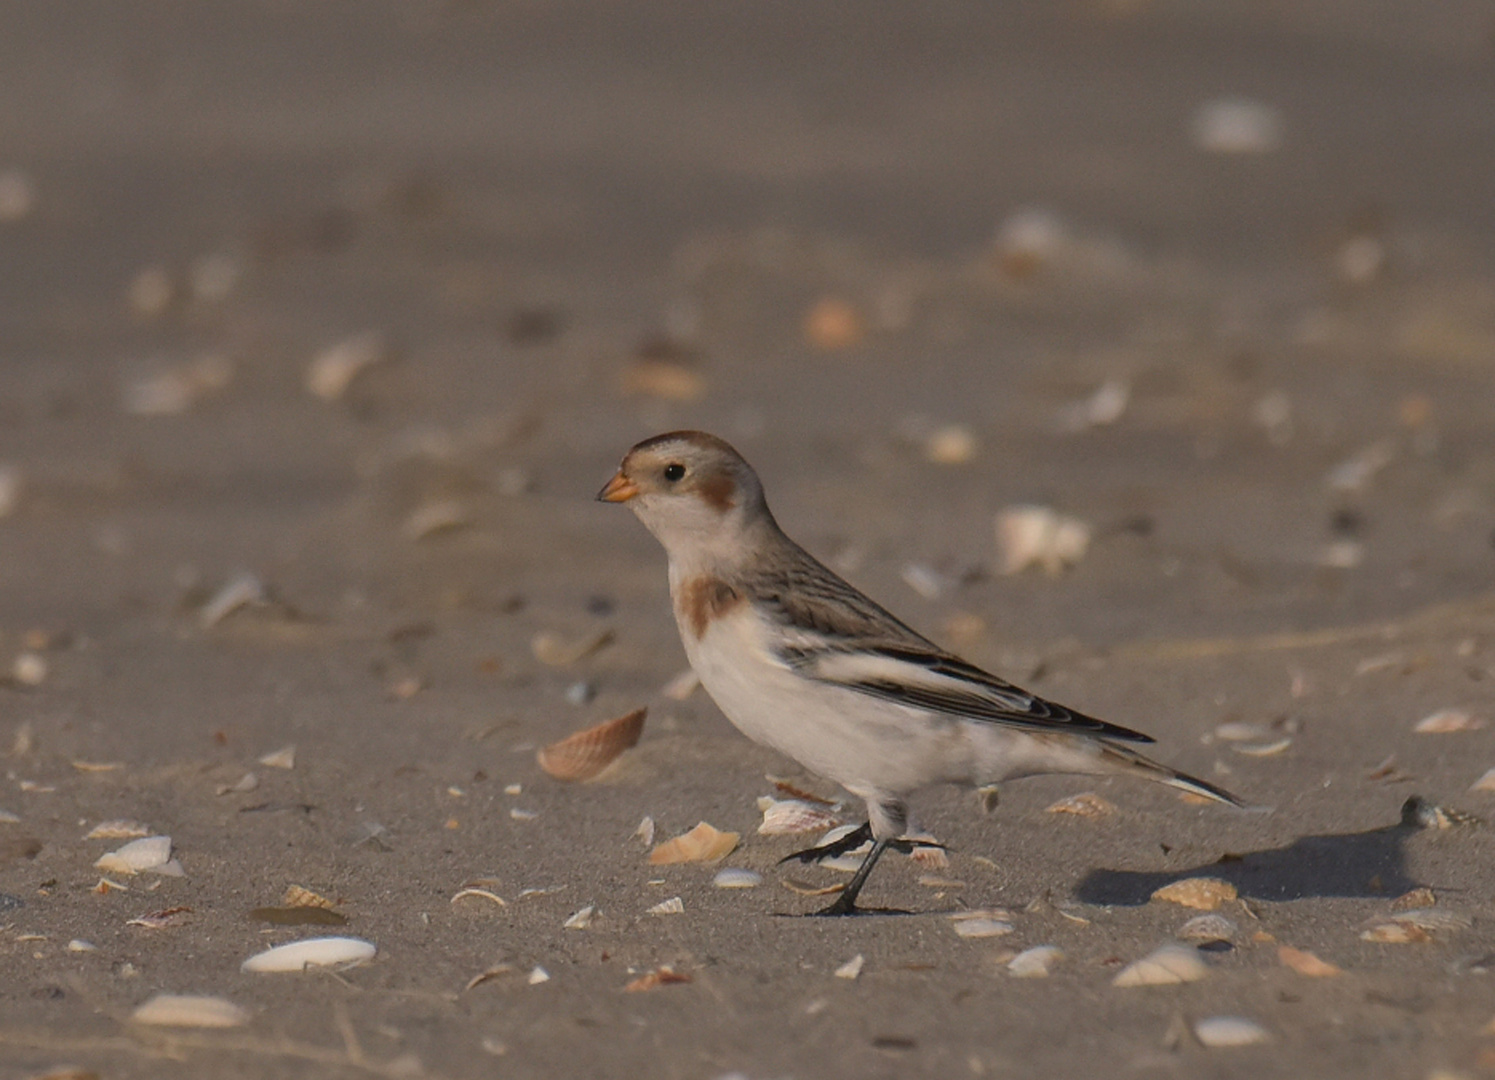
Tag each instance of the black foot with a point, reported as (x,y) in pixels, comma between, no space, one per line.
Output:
(848,843)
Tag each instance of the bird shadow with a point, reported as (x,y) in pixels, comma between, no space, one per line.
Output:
(1362,864)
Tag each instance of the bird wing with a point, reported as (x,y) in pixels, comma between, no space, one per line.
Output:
(834,634)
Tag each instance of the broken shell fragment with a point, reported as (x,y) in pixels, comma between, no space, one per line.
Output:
(298,896)
(580,920)
(1271,749)
(1418,813)
(1447,722)
(554,650)
(852,968)
(333,370)
(1164,966)
(432,519)
(584,754)
(240,591)
(734,878)
(1208,928)
(833,324)
(118,829)
(148,853)
(1306,963)
(645,831)
(976,924)
(190,1010)
(1222,1031)
(1086,804)
(701,844)
(952,444)
(1203,894)
(673,906)
(1035,963)
(313,952)
(784,816)
(1038,536)
(1485,783)
(284,758)
(653,980)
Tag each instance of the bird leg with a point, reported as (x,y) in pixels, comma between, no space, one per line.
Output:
(846,902)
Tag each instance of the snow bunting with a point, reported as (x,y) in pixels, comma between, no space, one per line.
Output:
(802,662)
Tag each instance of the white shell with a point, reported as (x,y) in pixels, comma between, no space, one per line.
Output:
(242,590)
(1038,536)
(148,853)
(1164,966)
(190,1010)
(313,952)
(580,920)
(333,370)
(1035,963)
(852,968)
(1220,1031)
(1446,722)
(538,976)
(1485,782)
(734,878)
(1236,126)
(1208,928)
(673,906)
(981,928)
(782,816)
(284,758)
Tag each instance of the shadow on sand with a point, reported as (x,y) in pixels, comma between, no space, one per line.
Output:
(1363,864)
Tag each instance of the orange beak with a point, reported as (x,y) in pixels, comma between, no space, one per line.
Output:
(618,489)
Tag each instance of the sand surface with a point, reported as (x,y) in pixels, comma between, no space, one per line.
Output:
(572,226)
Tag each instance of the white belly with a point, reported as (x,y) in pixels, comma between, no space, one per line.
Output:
(868,746)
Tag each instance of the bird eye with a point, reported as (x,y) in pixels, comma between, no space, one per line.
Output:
(674,472)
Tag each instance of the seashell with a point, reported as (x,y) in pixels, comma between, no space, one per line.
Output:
(673,906)
(78,945)
(701,844)
(1235,125)
(852,968)
(1433,920)
(653,980)
(1356,473)
(681,686)
(1208,928)
(478,893)
(976,926)
(246,783)
(297,896)
(584,754)
(1086,804)
(1485,783)
(118,829)
(333,370)
(1270,749)
(1241,731)
(432,519)
(1306,963)
(151,291)
(1164,966)
(8,818)
(284,758)
(1035,963)
(580,920)
(29,669)
(240,591)
(488,974)
(97,766)
(781,816)
(537,976)
(158,920)
(925,580)
(190,1010)
(1420,897)
(832,324)
(1395,933)
(1447,722)
(554,650)
(668,380)
(1203,894)
(645,831)
(734,878)
(931,854)
(952,444)
(1105,406)
(1417,812)
(1222,1031)
(312,952)
(149,853)
(1038,536)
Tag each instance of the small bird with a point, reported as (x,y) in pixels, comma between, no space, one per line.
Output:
(802,662)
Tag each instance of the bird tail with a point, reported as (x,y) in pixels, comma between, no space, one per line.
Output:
(1129,761)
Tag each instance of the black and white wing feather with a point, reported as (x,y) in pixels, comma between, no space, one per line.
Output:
(834,634)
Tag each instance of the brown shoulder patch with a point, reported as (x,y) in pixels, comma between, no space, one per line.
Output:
(705,599)
(718,491)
